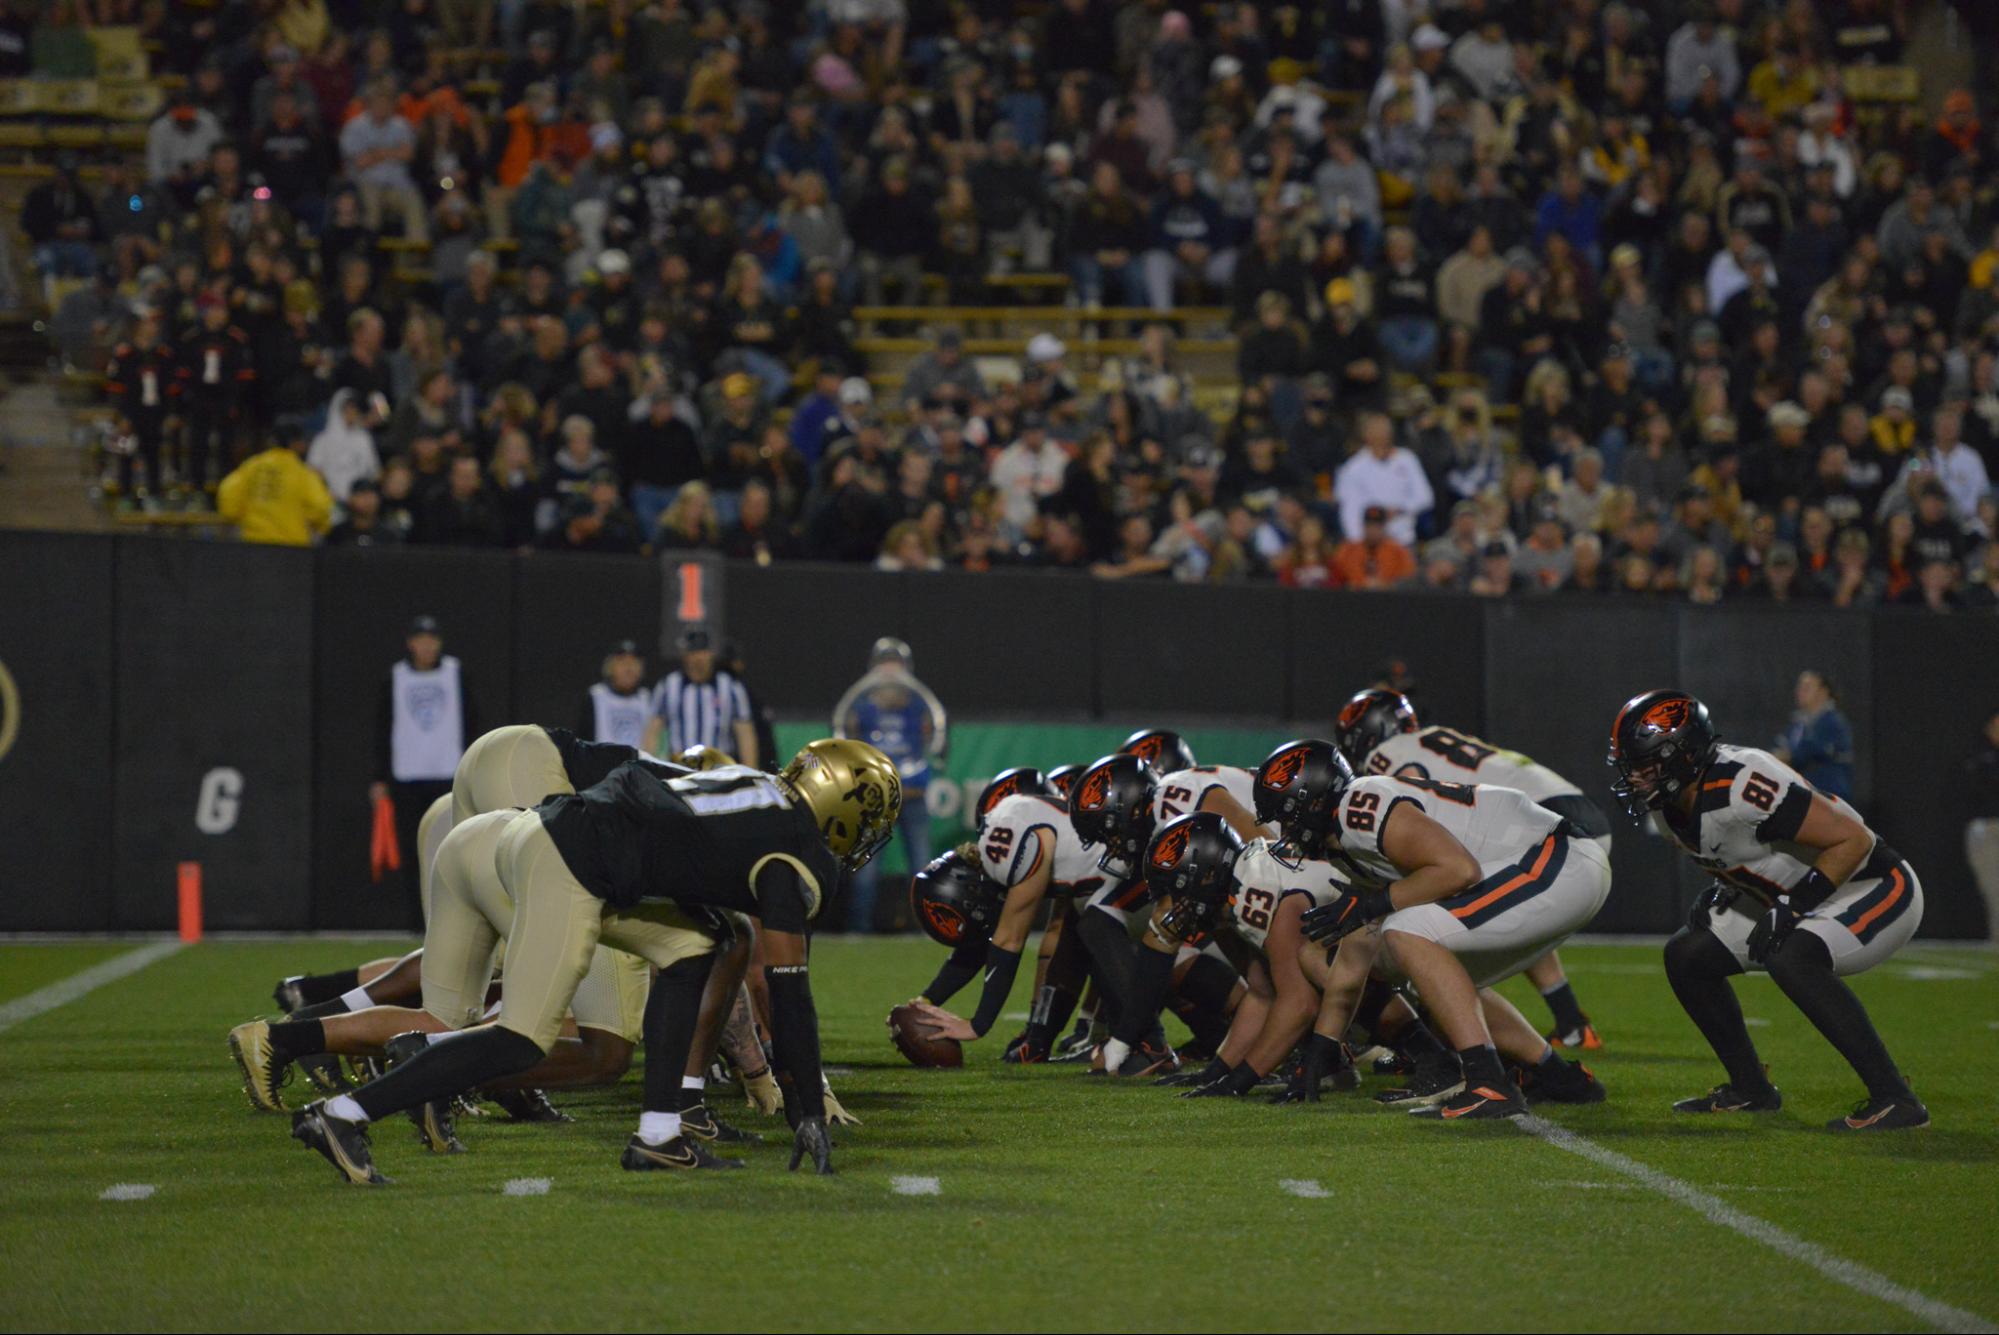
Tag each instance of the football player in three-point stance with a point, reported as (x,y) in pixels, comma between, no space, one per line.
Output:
(626,861)
(1462,886)
(1803,890)
(1022,852)
(1378,732)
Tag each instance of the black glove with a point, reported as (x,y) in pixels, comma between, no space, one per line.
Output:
(811,1138)
(1353,910)
(1767,936)
(1326,1057)
(1714,899)
(1214,1070)
(1238,1082)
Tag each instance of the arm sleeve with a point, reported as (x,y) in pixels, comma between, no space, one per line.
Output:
(783,902)
(1001,966)
(1787,817)
(795,1037)
(958,969)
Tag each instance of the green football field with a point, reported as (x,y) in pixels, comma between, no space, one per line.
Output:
(995,1198)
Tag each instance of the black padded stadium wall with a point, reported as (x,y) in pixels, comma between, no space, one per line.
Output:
(182,700)
(56,708)
(212,759)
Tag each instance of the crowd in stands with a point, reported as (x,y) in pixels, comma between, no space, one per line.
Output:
(1630,297)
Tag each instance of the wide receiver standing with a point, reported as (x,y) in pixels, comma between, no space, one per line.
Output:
(1803,890)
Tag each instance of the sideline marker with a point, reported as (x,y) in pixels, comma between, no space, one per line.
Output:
(190,902)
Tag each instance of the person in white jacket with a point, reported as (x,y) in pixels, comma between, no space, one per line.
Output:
(344,451)
(1385,474)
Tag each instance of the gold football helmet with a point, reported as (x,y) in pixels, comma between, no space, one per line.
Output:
(853,792)
(705,757)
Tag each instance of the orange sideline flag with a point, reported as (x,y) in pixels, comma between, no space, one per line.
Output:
(383,854)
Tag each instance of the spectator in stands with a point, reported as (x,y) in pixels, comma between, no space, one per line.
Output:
(62,223)
(343,453)
(273,497)
(1381,473)
(1373,560)
(178,145)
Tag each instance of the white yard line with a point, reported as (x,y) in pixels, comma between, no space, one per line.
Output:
(1304,1189)
(127,1191)
(66,990)
(916,1186)
(527,1186)
(1717,1211)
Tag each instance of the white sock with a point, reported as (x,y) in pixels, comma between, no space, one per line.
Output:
(345,1108)
(693,1082)
(1114,1054)
(357,999)
(657,1128)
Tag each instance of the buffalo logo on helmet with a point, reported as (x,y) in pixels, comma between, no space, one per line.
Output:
(1168,848)
(1093,790)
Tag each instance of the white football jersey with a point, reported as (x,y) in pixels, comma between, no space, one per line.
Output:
(1009,852)
(1498,826)
(1264,879)
(1745,821)
(1459,757)
(1183,791)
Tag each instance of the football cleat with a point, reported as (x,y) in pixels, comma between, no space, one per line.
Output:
(1476,1103)
(341,1143)
(264,1072)
(1729,1099)
(1383,1061)
(1075,1047)
(1150,1059)
(703,1125)
(1561,1082)
(287,993)
(527,1105)
(678,1153)
(1883,1115)
(1429,1082)
(325,1073)
(1584,1039)
(433,1119)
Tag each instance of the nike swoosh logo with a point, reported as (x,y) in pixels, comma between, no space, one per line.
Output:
(671,1160)
(1861,1124)
(1460,1112)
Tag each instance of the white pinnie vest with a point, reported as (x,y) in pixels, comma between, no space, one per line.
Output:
(620,718)
(427,733)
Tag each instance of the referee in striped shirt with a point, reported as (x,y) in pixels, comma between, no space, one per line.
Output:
(699,706)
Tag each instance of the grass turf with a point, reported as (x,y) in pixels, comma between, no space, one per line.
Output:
(1062,1203)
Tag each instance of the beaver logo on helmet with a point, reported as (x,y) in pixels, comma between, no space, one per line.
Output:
(943,922)
(1093,790)
(1667,715)
(1278,771)
(1162,748)
(1168,847)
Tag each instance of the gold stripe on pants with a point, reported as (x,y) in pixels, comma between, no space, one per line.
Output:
(558,925)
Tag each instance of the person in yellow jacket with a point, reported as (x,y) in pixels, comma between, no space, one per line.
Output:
(273,497)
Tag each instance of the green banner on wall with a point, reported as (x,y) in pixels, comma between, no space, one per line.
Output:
(981,750)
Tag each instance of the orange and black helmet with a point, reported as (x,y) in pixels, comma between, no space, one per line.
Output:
(1370,718)
(1062,778)
(1162,748)
(1010,783)
(1110,806)
(1660,745)
(953,899)
(1298,786)
(1192,861)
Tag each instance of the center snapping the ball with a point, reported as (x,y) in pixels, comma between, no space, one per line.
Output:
(905,1026)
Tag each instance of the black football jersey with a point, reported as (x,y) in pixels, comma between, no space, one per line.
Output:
(589,763)
(728,838)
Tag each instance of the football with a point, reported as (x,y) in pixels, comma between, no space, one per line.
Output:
(905,1026)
